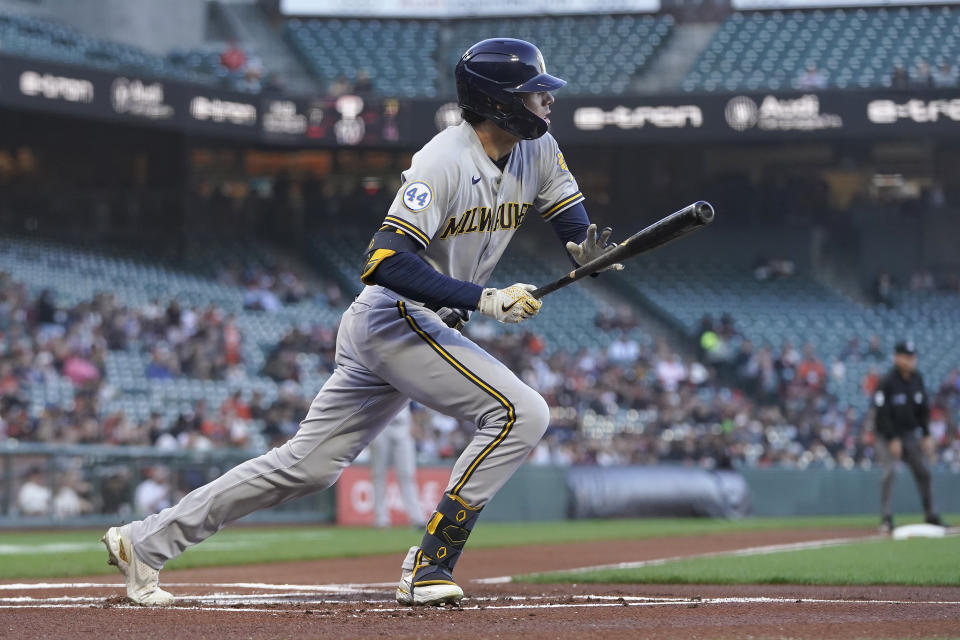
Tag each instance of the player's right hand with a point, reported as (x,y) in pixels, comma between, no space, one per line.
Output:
(510,305)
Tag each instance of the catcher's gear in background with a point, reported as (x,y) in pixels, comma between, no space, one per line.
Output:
(593,247)
(510,305)
(491,78)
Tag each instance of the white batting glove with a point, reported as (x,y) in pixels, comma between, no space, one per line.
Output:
(510,305)
(593,247)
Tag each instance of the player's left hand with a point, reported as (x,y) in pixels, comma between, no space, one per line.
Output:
(511,305)
(593,247)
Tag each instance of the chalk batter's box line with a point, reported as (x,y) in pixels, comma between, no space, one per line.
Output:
(528,602)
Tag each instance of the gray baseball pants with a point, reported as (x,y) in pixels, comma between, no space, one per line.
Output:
(389,350)
(914,458)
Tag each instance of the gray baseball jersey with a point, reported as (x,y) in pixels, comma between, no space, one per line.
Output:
(463,210)
(458,204)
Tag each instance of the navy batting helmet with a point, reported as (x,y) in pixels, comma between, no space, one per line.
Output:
(491,78)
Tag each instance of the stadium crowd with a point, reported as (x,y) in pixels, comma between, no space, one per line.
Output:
(634,402)
(41,344)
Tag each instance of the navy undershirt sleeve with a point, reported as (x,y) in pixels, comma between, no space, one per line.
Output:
(409,275)
(571,225)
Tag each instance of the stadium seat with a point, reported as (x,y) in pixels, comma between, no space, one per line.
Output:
(768,51)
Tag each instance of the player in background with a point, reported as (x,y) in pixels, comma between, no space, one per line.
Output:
(903,409)
(395,445)
(462,199)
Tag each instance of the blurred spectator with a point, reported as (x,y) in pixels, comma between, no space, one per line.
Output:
(161,366)
(810,370)
(339,86)
(70,499)
(899,79)
(252,79)
(812,78)
(623,350)
(671,371)
(34,497)
(153,494)
(921,79)
(363,86)
(772,268)
(852,350)
(233,57)
(838,371)
(874,349)
(944,76)
(870,380)
(883,290)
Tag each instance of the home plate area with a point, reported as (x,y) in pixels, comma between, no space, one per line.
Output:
(264,610)
(354,598)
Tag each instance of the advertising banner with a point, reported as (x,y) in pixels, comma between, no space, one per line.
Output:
(738,117)
(347,120)
(355,495)
(365,121)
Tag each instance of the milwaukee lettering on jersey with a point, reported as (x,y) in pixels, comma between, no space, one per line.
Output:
(484,220)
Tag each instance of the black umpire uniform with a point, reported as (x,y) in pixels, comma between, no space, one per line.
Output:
(903,409)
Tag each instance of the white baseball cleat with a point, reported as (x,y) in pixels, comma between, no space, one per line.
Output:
(143,581)
(434,586)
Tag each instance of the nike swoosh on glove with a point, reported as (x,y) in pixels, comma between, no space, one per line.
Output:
(593,247)
(511,305)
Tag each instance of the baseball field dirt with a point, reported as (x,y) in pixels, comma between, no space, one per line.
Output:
(353,598)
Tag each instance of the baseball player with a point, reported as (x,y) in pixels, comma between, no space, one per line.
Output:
(396,442)
(464,196)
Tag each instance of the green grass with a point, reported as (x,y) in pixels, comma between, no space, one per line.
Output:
(21,555)
(924,562)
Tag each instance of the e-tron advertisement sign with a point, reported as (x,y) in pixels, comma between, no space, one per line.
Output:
(755,116)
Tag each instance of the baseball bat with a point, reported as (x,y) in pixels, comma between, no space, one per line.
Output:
(676,225)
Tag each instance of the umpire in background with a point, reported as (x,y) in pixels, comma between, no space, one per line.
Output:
(902,409)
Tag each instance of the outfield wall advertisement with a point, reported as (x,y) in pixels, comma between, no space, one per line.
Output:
(355,495)
(351,120)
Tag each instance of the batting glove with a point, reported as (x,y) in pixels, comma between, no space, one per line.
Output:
(510,305)
(593,247)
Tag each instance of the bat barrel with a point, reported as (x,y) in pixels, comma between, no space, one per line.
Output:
(703,211)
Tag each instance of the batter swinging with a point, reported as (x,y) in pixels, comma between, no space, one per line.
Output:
(464,196)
